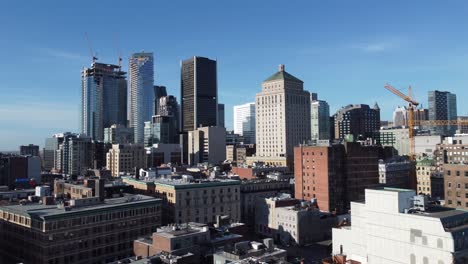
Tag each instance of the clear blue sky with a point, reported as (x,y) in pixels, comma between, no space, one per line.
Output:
(343,50)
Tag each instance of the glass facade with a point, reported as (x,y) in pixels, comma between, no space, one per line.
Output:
(142,96)
(442,106)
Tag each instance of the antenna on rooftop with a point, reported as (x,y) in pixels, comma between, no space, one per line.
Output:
(119,53)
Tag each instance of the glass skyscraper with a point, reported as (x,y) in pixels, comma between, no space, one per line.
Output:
(103,99)
(141,101)
(319,119)
(244,122)
(442,106)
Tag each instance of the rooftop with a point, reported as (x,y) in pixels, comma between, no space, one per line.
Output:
(47,212)
(186,184)
(282,75)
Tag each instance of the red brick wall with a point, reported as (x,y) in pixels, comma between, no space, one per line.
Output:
(244,173)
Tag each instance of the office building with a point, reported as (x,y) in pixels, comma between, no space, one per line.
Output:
(319,118)
(141,101)
(189,200)
(220,115)
(103,99)
(126,159)
(335,174)
(244,122)
(358,121)
(29,150)
(396,172)
(85,230)
(442,106)
(430,179)
(396,226)
(159,92)
(118,134)
(159,154)
(252,190)
(400,117)
(426,145)
(282,118)
(397,138)
(50,148)
(291,222)
(456,185)
(15,169)
(199,93)
(74,155)
(453,150)
(161,129)
(207,144)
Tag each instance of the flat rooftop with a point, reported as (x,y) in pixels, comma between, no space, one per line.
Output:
(41,211)
(185,184)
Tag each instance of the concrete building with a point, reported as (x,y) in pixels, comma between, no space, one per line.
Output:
(103,99)
(442,106)
(398,138)
(159,154)
(393,226)
(29,150)
(74,155)
(125,159)
(430,179)
(257,171)
(426,145)
(188,200)
(400,117)
(456,185)
(358,120)
(141,101)
(49,152)
(81,231)
(319,118)
(207,144)
(244,122)
(290,222)
(284,100)
(453,150)
(252,190)
(251,252)
(396,172)
(335,174)
(118,134)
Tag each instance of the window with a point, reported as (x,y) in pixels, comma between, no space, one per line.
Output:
(458,173)
(448,172)
(425,260)
(440,243)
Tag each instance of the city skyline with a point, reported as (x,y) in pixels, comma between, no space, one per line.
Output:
(405,49)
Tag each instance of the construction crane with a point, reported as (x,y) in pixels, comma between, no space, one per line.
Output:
(90,48)
(412,104)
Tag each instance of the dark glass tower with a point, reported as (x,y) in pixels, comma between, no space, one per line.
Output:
(442,106)
(159,91)
(199,93)
(104,99)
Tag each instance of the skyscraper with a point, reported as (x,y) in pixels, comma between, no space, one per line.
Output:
(221,115)
(142,91)
(199,93)
(357,120)
(244,122)
(319,118)
(442,106)
(282,118)
(103,99)
(159,91)
(400,117)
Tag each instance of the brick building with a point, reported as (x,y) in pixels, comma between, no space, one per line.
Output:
(456,185)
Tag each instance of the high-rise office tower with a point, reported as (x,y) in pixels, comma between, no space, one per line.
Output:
(199,93)
(319,118)
(221,115)
(29,150)
(141,101)
(400,117)
(159,91)
(282,117)
(442,106)
(244,122)
(104,99)
(357,120)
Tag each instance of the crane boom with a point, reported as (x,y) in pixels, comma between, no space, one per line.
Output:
(90,48)
(401,95)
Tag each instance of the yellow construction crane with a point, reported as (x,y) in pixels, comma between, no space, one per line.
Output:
(412,104)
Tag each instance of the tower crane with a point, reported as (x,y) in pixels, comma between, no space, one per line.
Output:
(90,48)
(412,104)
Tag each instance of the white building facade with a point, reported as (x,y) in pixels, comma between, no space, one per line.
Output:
(244,122)
(282,118)
(386,229)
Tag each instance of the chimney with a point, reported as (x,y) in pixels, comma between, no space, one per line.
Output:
(281,67)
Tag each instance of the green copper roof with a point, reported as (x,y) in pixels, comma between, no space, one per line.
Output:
(425,162)
(282,75)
